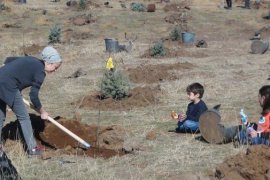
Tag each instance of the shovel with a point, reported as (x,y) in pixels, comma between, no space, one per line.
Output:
(85,144)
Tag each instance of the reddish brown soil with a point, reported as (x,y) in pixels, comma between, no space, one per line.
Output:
(139,97)
(156,73)
(110,139)
(33,49)
(253,164)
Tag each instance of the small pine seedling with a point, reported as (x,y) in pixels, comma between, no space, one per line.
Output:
(138,7)
(176,34)
(82,4)
(55,34)
(158,49)
(115,85)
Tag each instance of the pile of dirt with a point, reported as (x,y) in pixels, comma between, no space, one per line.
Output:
(105,141)
(177,6)
(69,35)
(156,73)
(253,164)
(83,19)
(182,13)
(139,97)
(32,50)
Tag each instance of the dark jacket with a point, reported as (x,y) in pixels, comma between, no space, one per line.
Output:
(195,110)
(18,74)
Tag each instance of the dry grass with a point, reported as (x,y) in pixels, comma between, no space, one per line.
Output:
(230,74)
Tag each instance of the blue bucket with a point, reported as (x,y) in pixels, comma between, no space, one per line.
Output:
(111,45)
(188,37)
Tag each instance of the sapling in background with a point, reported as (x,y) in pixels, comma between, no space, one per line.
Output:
(55,34)
(115,85)
(158,49)
(82,4)
(138,7)
(176,34)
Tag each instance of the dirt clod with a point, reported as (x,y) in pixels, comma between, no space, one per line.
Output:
(151,135)
(252,165)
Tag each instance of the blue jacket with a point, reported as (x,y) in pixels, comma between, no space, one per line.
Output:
(18,74)
(195,110)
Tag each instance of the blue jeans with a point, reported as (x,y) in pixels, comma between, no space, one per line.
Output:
(22,115)
(259,140)
(243,137)
(188,126)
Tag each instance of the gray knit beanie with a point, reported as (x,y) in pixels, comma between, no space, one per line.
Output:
(50,55)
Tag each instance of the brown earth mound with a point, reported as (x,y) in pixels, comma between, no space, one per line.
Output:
(156,73)
(139,97)
(83,19)
(254,164)
(105,141)
(33,50)
(177,6)
(70,34)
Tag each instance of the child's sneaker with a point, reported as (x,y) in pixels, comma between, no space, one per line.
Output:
(37,151)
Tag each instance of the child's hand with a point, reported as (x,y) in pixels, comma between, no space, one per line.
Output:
(181,116)
(174,115)
(252,132)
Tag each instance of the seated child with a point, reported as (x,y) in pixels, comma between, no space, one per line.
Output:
(260,134)
(189,122)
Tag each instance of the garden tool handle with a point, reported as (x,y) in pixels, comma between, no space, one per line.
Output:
(86,145)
